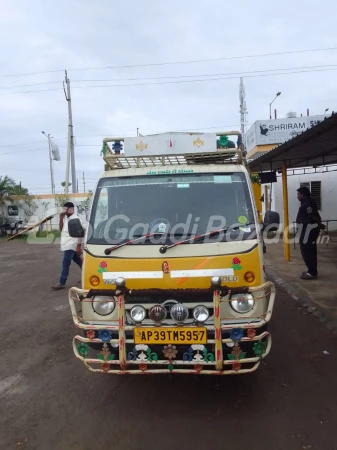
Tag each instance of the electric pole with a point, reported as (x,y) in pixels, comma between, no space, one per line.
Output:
(50,163)
(70,146)
(83,183)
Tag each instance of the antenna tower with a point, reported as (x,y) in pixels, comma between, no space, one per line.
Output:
(243,112)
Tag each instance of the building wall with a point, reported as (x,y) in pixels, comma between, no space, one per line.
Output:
(48,207)
(328,195)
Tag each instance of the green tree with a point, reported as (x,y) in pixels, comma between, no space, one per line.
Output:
(60,200)
(255,178)
(6,191)
(10,193)
(19,190)
(30,205)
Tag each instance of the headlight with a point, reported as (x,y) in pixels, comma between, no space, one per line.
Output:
(179,312)
(137,313)
(200,313)
(103,305)
(242,303)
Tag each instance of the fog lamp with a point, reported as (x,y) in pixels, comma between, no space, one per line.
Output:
(200,313)
(157,313)
(137,313)
(179,312)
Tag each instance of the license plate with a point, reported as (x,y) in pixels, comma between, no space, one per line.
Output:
(186,335)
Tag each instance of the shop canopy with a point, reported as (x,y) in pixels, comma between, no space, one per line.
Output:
(315,147)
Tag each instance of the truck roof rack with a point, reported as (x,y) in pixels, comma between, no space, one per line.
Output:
(228,156)
(219,156)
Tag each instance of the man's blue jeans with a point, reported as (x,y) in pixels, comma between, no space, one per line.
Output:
(68,256)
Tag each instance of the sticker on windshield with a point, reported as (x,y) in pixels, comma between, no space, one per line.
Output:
(222,178)
(242,219)
(161,228)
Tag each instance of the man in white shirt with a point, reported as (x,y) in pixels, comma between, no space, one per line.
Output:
(70,246)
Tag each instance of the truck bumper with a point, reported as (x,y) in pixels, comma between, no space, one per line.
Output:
(230,349)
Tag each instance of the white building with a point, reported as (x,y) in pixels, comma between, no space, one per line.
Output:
(323,187)
(263,136)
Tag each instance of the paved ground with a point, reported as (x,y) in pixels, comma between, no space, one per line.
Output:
(322,291)
(48,400)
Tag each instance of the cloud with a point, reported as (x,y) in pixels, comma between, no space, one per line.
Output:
(53,36)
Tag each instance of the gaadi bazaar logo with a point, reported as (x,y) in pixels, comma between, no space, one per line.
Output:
(141,146)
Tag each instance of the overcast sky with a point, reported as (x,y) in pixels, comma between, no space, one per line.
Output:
(39,36)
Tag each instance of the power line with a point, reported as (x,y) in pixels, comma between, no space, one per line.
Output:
(209,60)
(107,134)
(208,75)
(28,92)
(28,143)
(179,81)
(28,85)
(175,76)
(262,55)
(200,80)
(25,151)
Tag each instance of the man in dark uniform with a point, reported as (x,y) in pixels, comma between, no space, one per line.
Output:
(310,223)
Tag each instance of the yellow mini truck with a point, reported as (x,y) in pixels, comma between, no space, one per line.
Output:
(173,277)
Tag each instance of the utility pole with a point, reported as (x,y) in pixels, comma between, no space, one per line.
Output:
(50,163)
(83,183)
(70,146)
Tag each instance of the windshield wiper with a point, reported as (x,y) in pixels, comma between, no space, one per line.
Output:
(163,249)
(107,251)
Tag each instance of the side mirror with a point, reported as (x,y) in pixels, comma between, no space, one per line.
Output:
(271,221)
(75,228)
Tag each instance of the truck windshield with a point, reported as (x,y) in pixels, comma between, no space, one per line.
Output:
(172,207)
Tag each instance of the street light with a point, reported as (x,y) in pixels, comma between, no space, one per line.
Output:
(326,111)
(50,162)
(279,93)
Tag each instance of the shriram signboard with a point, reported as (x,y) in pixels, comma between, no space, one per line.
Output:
(265,132)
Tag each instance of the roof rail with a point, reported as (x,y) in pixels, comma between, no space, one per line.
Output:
(228,156)
(220,156)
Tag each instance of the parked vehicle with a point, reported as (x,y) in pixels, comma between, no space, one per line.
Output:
(162,291)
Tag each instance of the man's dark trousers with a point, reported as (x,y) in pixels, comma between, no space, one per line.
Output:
(68,256)
(308,247)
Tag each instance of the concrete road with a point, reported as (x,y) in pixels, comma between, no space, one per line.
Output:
(50,401)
